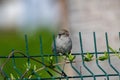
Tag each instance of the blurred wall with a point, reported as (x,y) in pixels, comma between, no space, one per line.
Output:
(100,16)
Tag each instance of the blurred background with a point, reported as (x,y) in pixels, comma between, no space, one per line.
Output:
(19,17)
(43,17)
(31,17)
(28,14)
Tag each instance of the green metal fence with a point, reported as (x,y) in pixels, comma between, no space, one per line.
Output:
(54,68)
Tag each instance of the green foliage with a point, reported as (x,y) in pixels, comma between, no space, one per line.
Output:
(88,57)
(27,66)
(12,77)
(115,52)
(71,57)
(51,62)
(104,57)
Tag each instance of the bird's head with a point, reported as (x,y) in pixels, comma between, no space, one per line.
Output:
(63,32)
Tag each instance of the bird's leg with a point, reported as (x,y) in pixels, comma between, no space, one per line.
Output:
(65,62)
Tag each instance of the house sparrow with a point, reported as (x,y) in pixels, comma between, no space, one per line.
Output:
(63,43)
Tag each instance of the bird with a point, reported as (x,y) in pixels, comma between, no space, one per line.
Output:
(63,43)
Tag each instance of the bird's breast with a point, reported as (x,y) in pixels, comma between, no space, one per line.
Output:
(62,41)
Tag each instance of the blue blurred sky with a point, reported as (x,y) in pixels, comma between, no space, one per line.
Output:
(29,12)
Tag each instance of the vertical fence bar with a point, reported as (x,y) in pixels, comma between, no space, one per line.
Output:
(109,60)
(82,54)
(14,65)
(54,44)
(77,71)
(27,50)
(42,57)
(36,75)
(95,47)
